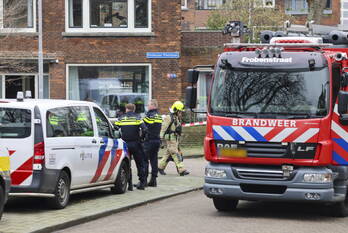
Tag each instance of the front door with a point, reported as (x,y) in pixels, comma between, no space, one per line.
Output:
(15,83)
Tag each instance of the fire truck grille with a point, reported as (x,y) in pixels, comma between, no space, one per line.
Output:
(259,174)
(265,149)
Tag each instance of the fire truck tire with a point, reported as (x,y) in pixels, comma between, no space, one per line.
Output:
(222,204)
(2,200)
(340,209)
(121,181)
(62,192)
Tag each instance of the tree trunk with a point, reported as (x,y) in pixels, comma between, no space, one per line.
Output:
(315,10)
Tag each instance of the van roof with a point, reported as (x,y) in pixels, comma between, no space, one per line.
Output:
(45,103)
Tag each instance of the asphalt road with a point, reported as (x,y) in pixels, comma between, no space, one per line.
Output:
(194,212)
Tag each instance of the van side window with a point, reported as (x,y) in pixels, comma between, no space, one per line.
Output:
(102,124)
(15,123)
(81,122)
(69,122)
(57,122)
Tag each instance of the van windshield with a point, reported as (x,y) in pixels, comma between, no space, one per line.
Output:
(15,123)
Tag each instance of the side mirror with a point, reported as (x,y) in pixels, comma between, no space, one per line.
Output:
(117,134)
(192,76)
(343,107)
(191,97)
(344,80)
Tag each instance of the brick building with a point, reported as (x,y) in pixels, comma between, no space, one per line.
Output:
(196,12)
(110,51)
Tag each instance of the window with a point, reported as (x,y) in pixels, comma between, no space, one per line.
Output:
(209,4)
(69,122)
(110,86)
(15,123)
(301,7)
(17,15)
(344,14)
(103,126)
(184,4)
(203,87)
(108,15)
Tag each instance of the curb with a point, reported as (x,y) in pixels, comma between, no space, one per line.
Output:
(85,219)
(188,156)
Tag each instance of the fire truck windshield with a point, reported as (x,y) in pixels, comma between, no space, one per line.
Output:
(272,94)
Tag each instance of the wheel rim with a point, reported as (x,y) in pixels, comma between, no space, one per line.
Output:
(123,178)
(62,191)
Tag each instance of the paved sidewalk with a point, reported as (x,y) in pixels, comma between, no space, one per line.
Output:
(31,215)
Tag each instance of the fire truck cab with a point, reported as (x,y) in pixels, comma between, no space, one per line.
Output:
(277,124)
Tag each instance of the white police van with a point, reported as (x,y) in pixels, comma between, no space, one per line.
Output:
(61,147)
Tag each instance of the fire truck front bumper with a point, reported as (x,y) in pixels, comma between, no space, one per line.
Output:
(268,183)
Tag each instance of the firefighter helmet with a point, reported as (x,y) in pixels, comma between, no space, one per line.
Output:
(177,106)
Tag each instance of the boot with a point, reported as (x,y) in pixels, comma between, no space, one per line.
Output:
(184,173)
(161,171)
(153,182)
(140,185)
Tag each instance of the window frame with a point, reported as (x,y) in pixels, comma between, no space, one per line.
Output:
(184,6)
(304,10)
(111,128)
(86,19)
(17,30)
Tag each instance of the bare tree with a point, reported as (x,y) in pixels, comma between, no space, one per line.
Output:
(315,10)
(251,12)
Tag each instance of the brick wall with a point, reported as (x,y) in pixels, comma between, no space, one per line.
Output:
(166,26)
(193,136)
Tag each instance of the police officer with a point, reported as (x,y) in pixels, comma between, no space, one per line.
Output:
(153,122)
(170,134)
(132,128)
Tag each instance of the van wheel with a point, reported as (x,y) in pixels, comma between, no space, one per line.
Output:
(340,209)
(121,181)
(2,200)
(62,192)
(222,204)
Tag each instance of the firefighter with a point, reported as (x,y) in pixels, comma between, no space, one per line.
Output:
(152,142)
(170,135)
(132,128)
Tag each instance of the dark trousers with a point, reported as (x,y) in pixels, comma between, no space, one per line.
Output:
(136,150)
(151,148)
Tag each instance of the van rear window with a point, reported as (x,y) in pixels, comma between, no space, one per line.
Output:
(15,123)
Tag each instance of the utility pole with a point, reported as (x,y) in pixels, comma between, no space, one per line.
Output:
(40,52)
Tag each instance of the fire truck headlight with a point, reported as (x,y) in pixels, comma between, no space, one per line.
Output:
(215,173)
(317,178)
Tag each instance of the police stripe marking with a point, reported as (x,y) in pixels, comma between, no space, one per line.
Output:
(307,135)
(252,131)
(338,130)
(342,143)
(338,159)
(220,133)
(23,172)
(283,134)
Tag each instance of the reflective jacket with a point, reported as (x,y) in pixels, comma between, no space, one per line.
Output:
(153,122)
(132,126)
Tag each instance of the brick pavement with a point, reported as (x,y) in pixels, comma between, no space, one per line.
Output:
(32,215)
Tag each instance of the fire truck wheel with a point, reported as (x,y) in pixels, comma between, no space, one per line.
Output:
(2,200)
(121,181)
(225,204)
(62,192)
(340,209)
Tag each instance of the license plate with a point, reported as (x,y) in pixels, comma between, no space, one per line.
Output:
(233,153)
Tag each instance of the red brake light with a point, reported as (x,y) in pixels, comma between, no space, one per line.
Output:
(39,153)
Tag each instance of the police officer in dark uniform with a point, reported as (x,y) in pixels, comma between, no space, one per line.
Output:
(132,129)
(153,122)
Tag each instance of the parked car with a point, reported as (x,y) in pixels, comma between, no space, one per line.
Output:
(4,177)
(61,147)
(114,104)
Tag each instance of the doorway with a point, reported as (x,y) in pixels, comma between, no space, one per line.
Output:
(15,83)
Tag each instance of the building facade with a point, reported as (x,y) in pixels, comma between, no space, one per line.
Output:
(196,12)
(108,51)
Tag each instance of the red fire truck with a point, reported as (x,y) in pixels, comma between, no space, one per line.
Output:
(277,122)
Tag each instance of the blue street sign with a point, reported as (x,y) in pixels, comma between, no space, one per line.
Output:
(162,55)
